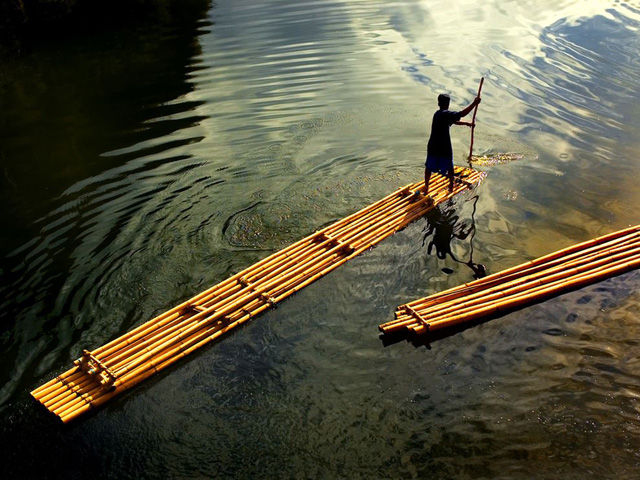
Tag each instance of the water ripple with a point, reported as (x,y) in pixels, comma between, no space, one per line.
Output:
(259,122)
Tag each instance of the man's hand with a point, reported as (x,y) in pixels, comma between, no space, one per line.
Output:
(471,106)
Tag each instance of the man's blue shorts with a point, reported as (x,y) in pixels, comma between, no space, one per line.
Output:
(439,164)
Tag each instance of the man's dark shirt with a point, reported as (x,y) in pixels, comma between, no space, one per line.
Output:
(440,142)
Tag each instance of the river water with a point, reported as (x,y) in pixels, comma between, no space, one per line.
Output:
(144,162)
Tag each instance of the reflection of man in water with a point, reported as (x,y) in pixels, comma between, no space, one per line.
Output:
(439,150)
(444,226)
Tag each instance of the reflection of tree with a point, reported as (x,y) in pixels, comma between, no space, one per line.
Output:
(19,13)
(89,90)
(444,224)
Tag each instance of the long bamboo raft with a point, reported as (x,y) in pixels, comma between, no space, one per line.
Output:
(101,374)
(531,282)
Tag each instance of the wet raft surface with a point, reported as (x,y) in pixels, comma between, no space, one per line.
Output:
(101,374)
(568,269)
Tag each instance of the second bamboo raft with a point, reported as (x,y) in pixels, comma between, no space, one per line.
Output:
(531,282)
(101,374)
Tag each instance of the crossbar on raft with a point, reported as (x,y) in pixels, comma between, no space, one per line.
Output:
(124,362)
(531,282)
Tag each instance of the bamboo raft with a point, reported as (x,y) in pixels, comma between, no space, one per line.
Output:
(531,282)
(101,374)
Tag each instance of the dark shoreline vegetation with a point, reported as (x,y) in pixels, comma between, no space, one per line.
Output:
(19,12)
(43,68)
(38,12)
(23,20)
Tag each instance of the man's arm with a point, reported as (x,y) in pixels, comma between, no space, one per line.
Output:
(466,111)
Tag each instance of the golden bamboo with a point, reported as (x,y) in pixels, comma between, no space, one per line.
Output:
(529,267)
(547,276)
(170,336)
(539,294)
(270,261)
(272,268)
(484,283)
(552,281)
(524,283)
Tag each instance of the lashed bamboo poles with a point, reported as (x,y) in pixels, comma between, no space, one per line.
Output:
(124,362)
(530,282)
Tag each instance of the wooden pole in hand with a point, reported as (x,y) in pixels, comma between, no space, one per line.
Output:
(473,120)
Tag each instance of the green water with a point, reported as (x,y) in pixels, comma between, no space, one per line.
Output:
(143,161)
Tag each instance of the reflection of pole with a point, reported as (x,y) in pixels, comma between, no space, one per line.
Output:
(478,269)
(473,121)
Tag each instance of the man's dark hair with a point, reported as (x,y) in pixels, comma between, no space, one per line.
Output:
(443,100)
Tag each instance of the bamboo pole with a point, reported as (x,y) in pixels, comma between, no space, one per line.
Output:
(316,247)
(490,295)
(59,384)
(296,279)
(233,278)
(540,294)
(521,284)
(250,272)
(528,282)
(404,320)
(528,266)
(177,332)
(557,281)
(69,390)
(473,120)
(457,292)
(116,366)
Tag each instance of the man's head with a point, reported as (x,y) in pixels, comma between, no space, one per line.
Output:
(443,100)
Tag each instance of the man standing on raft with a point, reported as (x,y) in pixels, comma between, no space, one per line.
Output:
(439,150)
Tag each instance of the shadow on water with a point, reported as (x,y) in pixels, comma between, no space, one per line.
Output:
(443,226)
